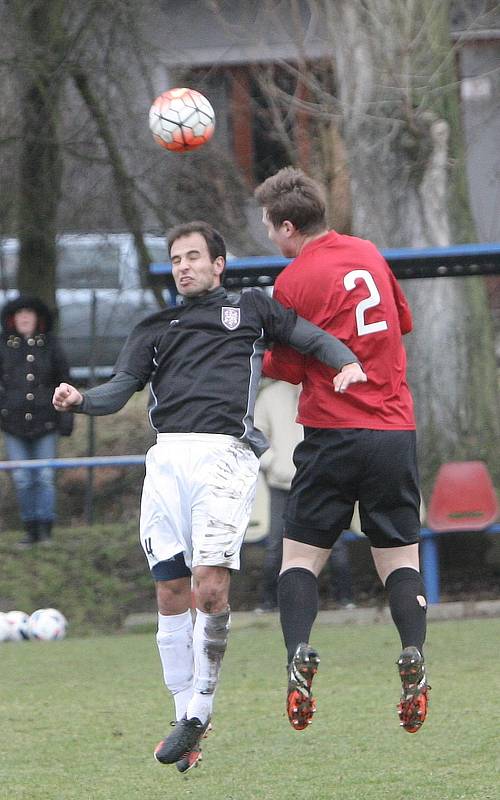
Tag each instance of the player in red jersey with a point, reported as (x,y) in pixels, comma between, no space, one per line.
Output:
(358,446)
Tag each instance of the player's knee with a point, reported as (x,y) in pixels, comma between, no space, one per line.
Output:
(211,599)
(211,589)
(173,597)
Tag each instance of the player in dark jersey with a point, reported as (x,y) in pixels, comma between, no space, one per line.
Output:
(203,360)
(357,446)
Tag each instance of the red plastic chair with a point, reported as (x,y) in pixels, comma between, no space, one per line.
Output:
(463,498)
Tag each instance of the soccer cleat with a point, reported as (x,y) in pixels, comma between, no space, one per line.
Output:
(193,758)
(412,707)
(300,703)
(183,740)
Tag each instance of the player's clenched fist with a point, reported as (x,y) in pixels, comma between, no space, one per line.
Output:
(66,396)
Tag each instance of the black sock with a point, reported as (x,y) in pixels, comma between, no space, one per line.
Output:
(298,604)
(406,593)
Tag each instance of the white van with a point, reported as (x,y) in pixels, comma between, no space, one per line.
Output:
(97,279)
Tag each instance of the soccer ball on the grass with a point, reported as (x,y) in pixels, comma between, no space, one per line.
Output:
(4,628)
(181,120)
(47,624)
(18,623)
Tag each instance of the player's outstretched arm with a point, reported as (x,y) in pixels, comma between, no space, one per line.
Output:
(331,351)
(66,397)
(308,338)
(100,400)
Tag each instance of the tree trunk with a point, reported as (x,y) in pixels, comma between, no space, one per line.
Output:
(123,182)
(392,60)
(40,167)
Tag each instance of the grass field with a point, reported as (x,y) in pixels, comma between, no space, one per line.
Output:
(79,720)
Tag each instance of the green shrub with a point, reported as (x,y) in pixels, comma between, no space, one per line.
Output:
(96,576)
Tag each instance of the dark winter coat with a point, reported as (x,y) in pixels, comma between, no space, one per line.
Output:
(30,369)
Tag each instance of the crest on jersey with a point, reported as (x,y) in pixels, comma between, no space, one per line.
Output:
(230,317)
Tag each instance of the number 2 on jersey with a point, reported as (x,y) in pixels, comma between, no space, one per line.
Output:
(369,302)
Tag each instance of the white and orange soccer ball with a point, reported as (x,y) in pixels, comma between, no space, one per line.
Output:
(47,624)
(181,120)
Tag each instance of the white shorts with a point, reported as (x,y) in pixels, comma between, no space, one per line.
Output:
(197,497)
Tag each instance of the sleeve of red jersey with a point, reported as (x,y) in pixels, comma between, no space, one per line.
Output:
(404,311)
(283,364)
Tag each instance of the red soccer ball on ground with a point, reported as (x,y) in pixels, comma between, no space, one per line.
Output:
(181,120)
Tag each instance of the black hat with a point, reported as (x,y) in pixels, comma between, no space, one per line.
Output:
(45,317)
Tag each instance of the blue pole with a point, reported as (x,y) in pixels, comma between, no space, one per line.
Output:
(429,555)
(73,463)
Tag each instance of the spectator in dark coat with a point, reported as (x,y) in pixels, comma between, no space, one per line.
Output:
(32,364)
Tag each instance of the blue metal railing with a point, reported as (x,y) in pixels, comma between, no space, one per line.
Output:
(461,260)
(72,463)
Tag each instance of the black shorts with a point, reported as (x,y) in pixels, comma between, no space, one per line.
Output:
(337,467)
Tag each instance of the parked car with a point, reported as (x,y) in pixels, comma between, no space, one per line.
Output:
(99,294)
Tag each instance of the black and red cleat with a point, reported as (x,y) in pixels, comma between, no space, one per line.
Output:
(300,704)
(193,758)
(183,740)
(412,707)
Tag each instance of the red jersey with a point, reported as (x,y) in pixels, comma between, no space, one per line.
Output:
(344,285)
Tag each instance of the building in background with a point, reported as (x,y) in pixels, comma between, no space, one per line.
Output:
(223,46)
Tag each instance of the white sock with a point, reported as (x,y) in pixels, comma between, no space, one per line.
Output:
(175,645)
(209,645)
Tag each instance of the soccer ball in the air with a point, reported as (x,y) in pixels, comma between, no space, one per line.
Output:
(181,120)
(18,623)
(47,624)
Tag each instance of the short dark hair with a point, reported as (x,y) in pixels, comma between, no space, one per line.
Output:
(215,243)
(293,195)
